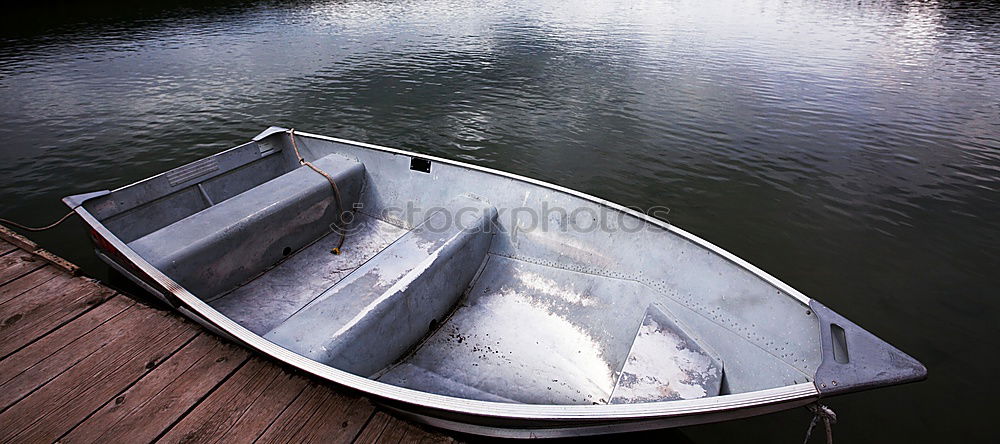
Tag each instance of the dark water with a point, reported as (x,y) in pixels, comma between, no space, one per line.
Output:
(851,148)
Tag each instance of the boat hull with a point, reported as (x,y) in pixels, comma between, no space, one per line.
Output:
(529,426)
(779,348)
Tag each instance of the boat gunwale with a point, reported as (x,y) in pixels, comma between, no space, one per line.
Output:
(777,395)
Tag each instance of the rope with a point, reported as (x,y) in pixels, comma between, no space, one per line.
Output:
(821,413)
(333,184)
(52,225)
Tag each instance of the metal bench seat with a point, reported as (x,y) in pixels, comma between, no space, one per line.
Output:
(387,305)
(220,247)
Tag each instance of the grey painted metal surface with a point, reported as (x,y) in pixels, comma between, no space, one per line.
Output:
(382,309)
(303,275)
(568,315)
(854,359)
(666,364)
(223,245)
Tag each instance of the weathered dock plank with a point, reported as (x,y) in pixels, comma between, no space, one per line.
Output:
(6,247)
(241,408)
(351,413)
(18,263)
(37,277)
(383,427)
(66,400)
(81,363)
(35,313)
(36,364)
(312,409)
(386,428)
(156,401)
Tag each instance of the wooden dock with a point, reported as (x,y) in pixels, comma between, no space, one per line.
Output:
(82,363)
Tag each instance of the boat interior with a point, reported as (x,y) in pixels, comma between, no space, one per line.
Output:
(444,284)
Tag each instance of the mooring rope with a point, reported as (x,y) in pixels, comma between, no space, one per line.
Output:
(821,413)
(333,184)
(27,228)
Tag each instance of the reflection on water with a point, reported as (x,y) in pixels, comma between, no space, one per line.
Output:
(850,148)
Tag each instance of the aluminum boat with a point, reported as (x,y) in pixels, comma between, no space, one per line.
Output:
(473,299)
